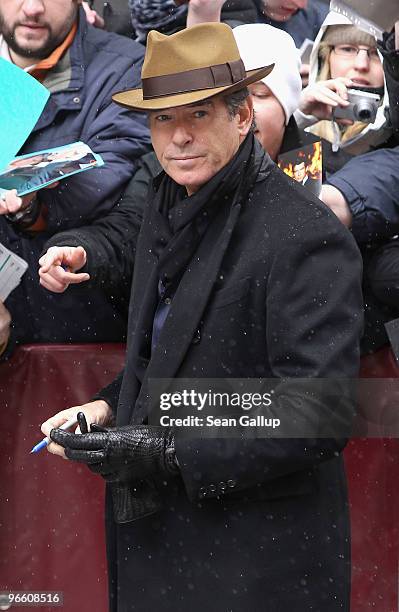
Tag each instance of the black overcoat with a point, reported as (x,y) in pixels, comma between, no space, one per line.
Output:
(274,290)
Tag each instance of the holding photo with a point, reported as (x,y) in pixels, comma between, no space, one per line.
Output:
(30,172)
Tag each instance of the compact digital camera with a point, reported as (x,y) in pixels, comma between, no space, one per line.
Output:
(363,107)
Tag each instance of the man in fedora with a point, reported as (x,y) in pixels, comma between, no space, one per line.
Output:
(239,273)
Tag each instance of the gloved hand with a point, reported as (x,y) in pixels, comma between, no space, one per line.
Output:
(122,454)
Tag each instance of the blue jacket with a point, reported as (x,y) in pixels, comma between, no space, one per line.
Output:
(370,182)
(80,108)
(370,185)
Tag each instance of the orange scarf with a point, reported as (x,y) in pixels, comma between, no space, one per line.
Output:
(39,72)
(41,69)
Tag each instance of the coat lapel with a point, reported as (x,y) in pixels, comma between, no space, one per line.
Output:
(140,308)
(188,305)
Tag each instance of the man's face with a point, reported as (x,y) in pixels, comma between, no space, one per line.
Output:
(283,10)
(269,118)
(195,141)
(300,172)
(34,28)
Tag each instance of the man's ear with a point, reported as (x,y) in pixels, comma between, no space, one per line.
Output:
(245,116)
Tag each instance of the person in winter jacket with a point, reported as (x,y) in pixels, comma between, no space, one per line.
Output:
(239,273)
(344,57)
(390,50)
(383,270)
(364,195)
(301,19)
(81,66)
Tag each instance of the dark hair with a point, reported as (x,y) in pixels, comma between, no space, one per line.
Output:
(235,100)
(299,159)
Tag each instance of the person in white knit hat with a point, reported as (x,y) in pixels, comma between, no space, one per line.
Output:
(276,97)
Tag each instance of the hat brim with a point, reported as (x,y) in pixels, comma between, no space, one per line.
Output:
(133,98)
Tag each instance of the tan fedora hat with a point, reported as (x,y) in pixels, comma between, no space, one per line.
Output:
(189,66)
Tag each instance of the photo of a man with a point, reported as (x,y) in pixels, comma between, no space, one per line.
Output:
(301,176)
(304,166)
(30,173)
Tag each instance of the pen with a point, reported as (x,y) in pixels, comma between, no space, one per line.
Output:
(70,423)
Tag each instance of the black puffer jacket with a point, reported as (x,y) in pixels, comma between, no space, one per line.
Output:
(391,68)
(116,15)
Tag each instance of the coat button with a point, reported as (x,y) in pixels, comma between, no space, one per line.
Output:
(76,100)
(231,483)
(197,337)
(168,301)
(202,492)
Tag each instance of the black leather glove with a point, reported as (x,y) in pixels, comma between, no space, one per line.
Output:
(122,454)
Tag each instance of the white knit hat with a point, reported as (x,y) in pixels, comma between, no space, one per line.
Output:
(261,44)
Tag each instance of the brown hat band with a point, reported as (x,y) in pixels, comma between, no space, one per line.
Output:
(221,75)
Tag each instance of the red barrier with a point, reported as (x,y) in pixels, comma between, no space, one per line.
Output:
(51,511)
(372,472)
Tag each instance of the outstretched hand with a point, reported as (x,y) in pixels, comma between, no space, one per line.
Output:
(59,266)
(93,18)
(203,11)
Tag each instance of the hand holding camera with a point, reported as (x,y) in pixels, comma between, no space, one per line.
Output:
(338,99)
(322,97)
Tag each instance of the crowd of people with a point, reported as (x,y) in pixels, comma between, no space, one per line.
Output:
(359,159)
(124,256)
(82,67)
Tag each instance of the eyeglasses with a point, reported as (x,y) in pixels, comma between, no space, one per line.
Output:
(351,51)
